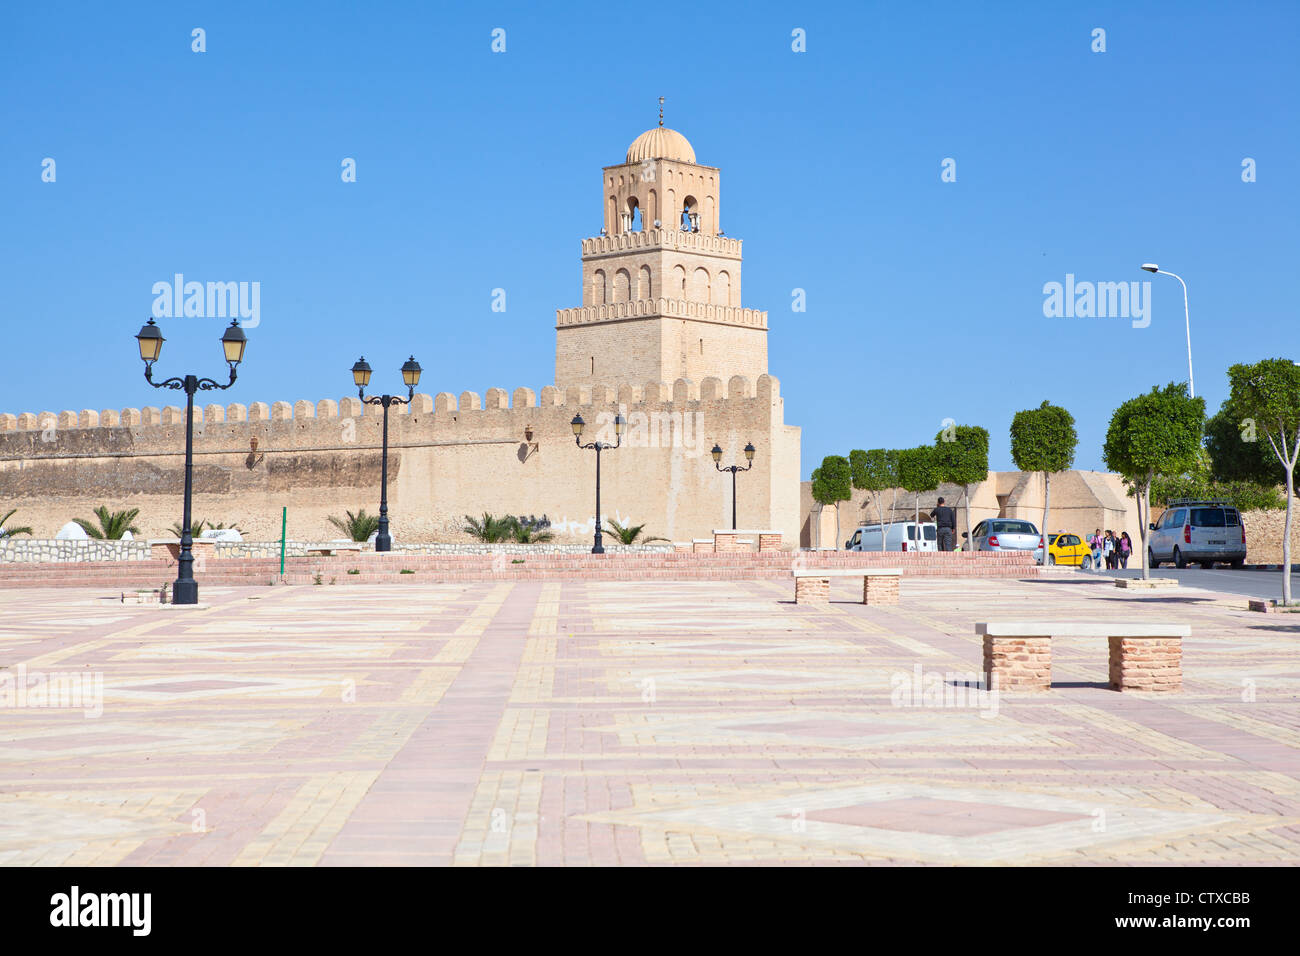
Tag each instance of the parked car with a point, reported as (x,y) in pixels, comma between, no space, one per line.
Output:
(1067,548)
(1198,531)
(1005,534)
(899,536)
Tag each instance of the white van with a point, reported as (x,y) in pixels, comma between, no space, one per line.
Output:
(899,536)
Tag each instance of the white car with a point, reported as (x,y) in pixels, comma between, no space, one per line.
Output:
(899,536)
(1007,534)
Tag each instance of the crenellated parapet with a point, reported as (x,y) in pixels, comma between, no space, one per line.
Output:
(662,308)
(442,407)
(651,239)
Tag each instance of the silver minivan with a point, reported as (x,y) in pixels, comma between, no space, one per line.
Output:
(899,536)
(1201,532)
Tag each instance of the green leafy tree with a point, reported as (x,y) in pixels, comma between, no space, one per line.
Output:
(1043,439)
(358,527)
(831,484)
(1158,433)
(1235,450)
(629,534)
(110,525)
(875,472)
(8,531)
(1267,393)
(918,471)
(491,529)
(963,453)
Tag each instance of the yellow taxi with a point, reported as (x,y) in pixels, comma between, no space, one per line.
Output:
(1069,549)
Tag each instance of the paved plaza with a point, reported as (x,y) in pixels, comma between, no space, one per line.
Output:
(575,722)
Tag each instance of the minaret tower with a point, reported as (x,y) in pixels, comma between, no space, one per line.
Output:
(661,283)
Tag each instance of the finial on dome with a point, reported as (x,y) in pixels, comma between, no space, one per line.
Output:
(661,111)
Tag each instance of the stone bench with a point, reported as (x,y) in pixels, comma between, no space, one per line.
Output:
(1018,654)
(879,585)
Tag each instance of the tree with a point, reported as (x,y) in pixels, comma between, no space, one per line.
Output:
(112,524)
(1043,439)
(629,534)
(963,453)
(490,529)
(358,527)
(918,471)
(7,532)
(831,484)
(1267,393)
(1158,433)
(875,472)
(1236,453)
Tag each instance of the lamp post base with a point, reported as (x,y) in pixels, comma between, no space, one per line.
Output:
(383,542)
(185,592)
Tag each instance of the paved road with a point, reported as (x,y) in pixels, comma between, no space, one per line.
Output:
(1257,584)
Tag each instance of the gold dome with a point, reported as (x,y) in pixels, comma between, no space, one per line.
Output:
(660,143)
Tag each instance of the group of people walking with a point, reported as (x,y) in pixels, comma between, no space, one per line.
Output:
(1109,547)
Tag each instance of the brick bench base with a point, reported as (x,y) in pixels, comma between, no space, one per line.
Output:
(1023,661)
(879,586)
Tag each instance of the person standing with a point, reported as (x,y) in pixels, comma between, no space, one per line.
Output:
(1125,549)
(945,520)
(1108,549)
(1094,542)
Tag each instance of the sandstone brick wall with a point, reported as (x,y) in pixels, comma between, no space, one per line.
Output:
(449,456)
(1264,535)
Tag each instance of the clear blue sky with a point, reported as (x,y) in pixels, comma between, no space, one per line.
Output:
(479,170)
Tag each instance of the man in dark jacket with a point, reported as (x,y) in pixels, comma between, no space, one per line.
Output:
(945,520)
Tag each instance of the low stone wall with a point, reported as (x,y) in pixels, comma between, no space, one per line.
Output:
(1264,535)
(44,551)
(48,550)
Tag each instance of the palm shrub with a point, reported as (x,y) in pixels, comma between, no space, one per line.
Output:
(491,529)
(530,531)
(630,534)
(358,527)
(112,525)
(6,532)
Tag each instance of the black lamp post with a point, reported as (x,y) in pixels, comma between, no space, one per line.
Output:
(150,338)
(717,458)
(411,377)
(578,425)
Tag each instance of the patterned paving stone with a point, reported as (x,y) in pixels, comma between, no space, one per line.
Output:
(631,723)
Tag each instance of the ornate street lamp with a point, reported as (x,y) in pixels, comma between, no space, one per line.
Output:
(717,458)
(578,425)
(150,339)
(411,378)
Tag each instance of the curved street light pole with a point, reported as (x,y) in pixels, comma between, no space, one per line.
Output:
(185,590)
(361,378)
(578,425)
(1155,269)
(734,469)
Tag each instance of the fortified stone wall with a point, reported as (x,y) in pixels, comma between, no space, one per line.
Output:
(449,456)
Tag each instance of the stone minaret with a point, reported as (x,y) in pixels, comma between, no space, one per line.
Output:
(660,284)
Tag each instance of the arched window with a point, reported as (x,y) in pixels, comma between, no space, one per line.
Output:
(598,287)
(634,215)
(652,207)
(679,282)
(622,282)
(722,289)
(643,284)
(690,215)
(700,285)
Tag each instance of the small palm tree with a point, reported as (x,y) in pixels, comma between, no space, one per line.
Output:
(196,529)
(489,529)
(358,527)
(112,524)
(527,532)
(630,534)
(14,529)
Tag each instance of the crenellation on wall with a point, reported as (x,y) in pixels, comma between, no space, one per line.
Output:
(350,407)
(603,395)
(523,398)
(132,417)
(684,390)
(236,412)
(738,387)
(575,395)
(259,412)
(150,415)
(303,409)
(628,395)
(173,415)
(88,418)
(421,404)
(444,402)
(711,389)
(496,398)
(214,414)
(8,422)
(327,408)
(470,401)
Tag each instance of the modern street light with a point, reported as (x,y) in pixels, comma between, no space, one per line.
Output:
(1191,382)
(150,339)
(717,458)
(599,446)
(411,378)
